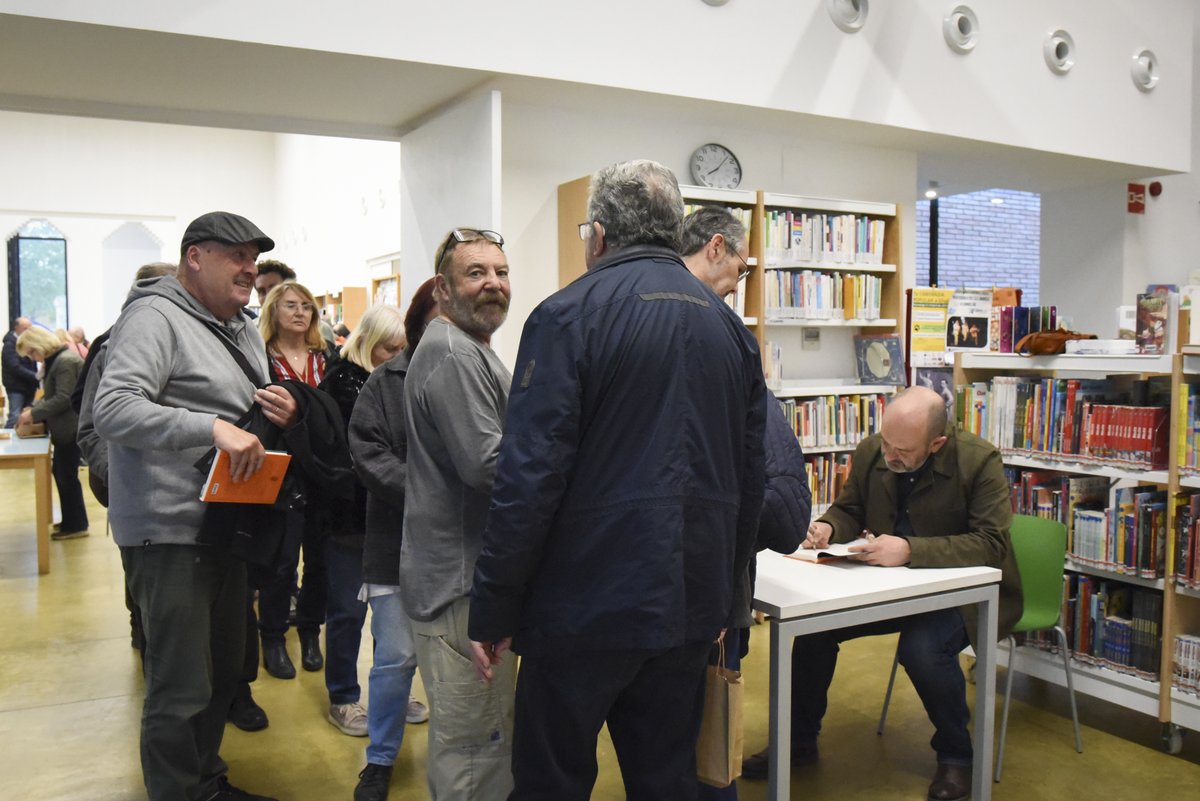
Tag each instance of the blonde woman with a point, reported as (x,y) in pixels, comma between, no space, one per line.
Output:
(288,324)
(60,366)
(378,337)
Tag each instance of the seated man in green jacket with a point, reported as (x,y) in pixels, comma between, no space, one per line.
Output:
(925,495)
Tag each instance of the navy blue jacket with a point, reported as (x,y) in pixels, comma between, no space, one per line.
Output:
(630,477)
(19,372)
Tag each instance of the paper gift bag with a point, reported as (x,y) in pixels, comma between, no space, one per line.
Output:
(719,748)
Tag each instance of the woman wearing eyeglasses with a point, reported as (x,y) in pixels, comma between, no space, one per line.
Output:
(296,351)
(289,327)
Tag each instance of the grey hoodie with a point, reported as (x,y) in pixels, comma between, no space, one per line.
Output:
(166,380)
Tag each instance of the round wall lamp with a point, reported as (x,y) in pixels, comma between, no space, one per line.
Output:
(1144,70)
(716,2)
(932,191)
(960,27)
(1059,50)
(849,15)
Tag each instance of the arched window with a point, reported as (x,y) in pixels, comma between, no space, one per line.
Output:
(37,275)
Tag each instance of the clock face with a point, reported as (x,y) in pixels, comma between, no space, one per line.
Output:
(716,166)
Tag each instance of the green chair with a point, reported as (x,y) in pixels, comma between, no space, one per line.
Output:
(1039,547)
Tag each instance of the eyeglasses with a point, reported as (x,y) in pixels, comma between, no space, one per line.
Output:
(291,307)
(459,235)
(586,228)
(742,273)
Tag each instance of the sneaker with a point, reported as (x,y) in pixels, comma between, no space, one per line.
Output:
(350,718)
(68,535)
(227,792)
(373,783)
(417,712)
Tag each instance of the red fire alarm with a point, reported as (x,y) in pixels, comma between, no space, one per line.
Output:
(1155,188)
(1137,199)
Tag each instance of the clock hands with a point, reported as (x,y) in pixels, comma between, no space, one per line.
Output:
(719,166)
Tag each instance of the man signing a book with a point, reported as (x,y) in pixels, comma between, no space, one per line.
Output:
(931,496)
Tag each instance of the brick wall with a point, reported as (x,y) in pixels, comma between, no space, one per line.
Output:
(982,243)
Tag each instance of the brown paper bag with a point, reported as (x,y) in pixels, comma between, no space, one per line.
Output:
(31,430)
(719,747)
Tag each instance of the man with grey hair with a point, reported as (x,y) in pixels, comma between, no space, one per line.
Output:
(714,248)
(627,496)
(455,395)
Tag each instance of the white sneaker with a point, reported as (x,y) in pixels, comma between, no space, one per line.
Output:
(350,718)
(417,712)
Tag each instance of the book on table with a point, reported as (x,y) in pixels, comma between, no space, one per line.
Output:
(835,550)
(262,487)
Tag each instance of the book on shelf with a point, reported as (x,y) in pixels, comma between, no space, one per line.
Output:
(1187,526)
(834,421)
(831,552)
(826,473)
(1152,323)
(969,319)
(801,237)
(1185,664)
(262,487)
(1110,625)
(878,359)
(814,295)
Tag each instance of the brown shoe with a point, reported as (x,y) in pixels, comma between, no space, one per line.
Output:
(951,783)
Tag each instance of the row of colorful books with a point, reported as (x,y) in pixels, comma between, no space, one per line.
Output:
(831,421)
(798,237)
(772,362)
(1187,426)
(1187,532)
(809,294)
(1012,323)
(1055,495)
(827,474)
(744,214)
(1185,673)
(1083,420)
(1111,625)
(1128,538)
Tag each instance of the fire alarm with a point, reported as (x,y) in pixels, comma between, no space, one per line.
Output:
(1155,188)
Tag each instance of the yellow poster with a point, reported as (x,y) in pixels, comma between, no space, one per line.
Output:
(930,310)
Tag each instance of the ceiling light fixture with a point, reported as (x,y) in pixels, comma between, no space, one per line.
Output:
(960,27)
(1144,70)
(1059,51)
(932,191)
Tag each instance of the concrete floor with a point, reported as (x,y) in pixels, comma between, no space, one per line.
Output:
(70,700)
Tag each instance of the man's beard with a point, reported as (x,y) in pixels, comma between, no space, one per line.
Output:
(478,316)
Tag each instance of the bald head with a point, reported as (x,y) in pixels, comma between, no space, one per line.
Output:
(913,428)
(21,325)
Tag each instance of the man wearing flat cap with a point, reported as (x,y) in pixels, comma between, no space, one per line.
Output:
(171,391)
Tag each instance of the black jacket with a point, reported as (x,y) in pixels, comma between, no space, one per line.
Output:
(379,446)
(19,373)
(348,522)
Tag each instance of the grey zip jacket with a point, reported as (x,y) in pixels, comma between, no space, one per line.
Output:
(166,381)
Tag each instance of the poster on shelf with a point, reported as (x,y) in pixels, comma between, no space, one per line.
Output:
(941,381)
(968,319)
(927,326)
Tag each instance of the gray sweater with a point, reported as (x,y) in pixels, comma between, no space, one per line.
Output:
(455,395)
(166,380)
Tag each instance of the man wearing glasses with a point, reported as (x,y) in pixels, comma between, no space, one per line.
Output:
(627,497)
(455,397)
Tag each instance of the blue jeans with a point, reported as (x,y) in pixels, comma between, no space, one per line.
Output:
(929,647)
(733,661)
(391,677)
(345,616)
(16,402)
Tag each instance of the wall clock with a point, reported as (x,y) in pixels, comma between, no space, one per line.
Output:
(715,165)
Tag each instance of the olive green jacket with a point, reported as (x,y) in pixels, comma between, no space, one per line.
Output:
(959,509)
(54,409)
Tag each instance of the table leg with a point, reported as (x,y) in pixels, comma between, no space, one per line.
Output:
(41,483)
(779,777)
(985,698)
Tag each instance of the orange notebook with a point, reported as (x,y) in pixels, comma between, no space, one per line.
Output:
(262,487)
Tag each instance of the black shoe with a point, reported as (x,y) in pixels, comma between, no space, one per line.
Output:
(277,662)
(951,783)
(245,713)
(310,651)
(373,783)
(227,792)
(758,765)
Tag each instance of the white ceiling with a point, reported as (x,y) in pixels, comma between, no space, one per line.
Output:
(56,67)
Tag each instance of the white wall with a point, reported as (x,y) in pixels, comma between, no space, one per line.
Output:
(337,202)
(779,54)
(89,177)
(450,178)
(544,147)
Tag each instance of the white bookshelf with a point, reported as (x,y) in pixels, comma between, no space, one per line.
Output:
(831,386)
(1086,468)
(1123,689)
(1125,578)
(1074,363)
(827,267)
(882,322)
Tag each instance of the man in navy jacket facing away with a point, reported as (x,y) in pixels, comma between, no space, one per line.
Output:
(627,496)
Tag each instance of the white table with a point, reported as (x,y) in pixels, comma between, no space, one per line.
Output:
(33,453)
(803,598)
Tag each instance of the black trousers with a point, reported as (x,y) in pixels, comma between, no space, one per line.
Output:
(191,599)
(275,589)
(651,700)
(65,468)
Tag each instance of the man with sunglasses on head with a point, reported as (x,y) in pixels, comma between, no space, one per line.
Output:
(456,393)
(627,498)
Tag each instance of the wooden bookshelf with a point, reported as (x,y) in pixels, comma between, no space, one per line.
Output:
(346,306)
(385,290)
(1181,605)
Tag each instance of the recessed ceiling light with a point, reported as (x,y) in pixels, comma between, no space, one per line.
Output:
(931,193)
(960,28)
(1144,70)
(998,201)
(1059,51)
(849,15)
